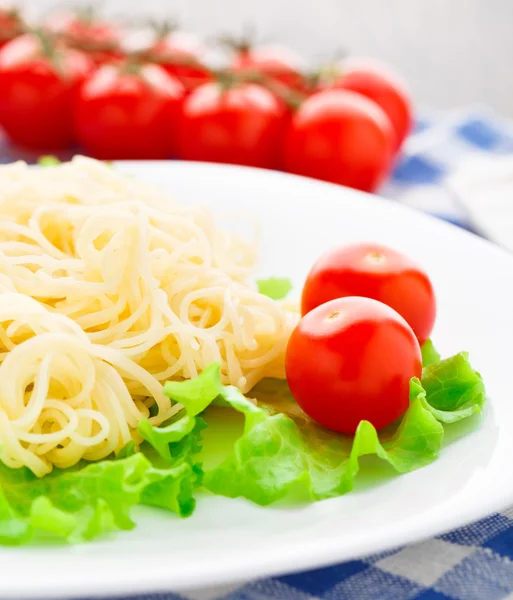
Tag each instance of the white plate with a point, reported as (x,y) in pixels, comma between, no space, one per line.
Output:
(228,540)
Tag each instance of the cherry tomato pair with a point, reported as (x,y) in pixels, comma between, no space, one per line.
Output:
(366,311)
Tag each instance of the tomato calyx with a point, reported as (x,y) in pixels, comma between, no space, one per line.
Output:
(327,74)
(228,79)
(11,24)
(161,29)
(242,44)
(85,30)
(132,66)
(90,46)
(86,14)
(172,58)
(46,42)
(49,50)
(292,98)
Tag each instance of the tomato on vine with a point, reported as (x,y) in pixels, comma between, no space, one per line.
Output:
(381,85)
(181,55)
(130,111)
(85,30)
(341,137)
(39,82)
(277,63)
(242,123)
(11,25)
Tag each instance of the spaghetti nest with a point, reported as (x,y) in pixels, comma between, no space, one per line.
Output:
(107,290)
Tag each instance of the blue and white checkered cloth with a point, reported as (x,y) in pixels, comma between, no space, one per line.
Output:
(439,146)
(471,563)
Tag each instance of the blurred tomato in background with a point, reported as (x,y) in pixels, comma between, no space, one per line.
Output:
(242,123)
(11,25)
(276,63)
(129,111)
(39,83)
(181,54)
(74,81)
(342,137)
(85,30)
(380,84)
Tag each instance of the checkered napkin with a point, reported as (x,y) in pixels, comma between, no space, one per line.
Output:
(471,563)
(435,158)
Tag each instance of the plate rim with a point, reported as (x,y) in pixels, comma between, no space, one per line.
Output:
(326,554)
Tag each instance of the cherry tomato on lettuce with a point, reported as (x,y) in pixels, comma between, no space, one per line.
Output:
(342,137)
(129,112)
(242,124)
(39,84)
(374,271)
(383,86)
(352,359)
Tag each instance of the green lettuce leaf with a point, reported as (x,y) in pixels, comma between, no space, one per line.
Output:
(281,449)
(172,487)
(83,502)
(274,287)
(278,452)
(430,355)
(77,504)
(454,390)
(176,470)
(48,161)
(174,447)
(127,450)
(181,435)
(88,500)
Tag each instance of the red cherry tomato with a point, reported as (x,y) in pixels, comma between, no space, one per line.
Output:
(181,54)
(382,86)
(38,91)
(352,359)
(101,40)
(129,112)
(11,25)
(277,63)
(342,137)
(374,271)
(243,124)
